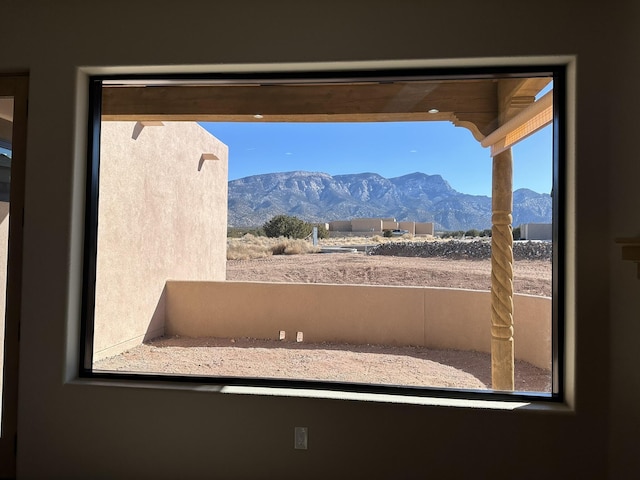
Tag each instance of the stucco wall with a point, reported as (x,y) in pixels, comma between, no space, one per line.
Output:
(425,228)
(536,231)
(366,225)
(389,225)
(162,216)
(409,226)
(340,226)
(438,318)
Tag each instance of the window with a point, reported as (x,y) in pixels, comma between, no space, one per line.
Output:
(159,197)
(13,121)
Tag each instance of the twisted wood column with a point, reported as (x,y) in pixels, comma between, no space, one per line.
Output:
(502,355)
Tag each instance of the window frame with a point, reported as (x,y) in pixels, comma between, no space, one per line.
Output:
(16,86)
(559,76)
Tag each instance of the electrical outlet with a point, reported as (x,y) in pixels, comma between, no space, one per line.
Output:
(301,438)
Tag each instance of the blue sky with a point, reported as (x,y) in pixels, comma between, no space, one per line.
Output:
(390,149)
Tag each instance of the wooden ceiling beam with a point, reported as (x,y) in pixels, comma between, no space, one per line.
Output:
(527,122)
(516,94)
(468,102)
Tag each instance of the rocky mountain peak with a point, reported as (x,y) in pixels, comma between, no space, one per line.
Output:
(320,197)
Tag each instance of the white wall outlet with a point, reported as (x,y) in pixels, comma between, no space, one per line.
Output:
(301,438)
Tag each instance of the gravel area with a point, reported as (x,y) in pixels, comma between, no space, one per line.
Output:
(374,364)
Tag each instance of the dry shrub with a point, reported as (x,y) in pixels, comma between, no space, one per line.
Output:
(287,246)
(278,248)
(349,240)
(250,246)
(364,240)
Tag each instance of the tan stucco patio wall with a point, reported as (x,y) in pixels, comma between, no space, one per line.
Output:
(162,216)
(438,318)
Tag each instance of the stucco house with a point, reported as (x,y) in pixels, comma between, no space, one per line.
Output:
(162,216)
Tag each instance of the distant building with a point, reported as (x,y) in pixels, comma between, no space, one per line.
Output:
(376,226)
(366,225)
(340,226)
(425,228)
(536,231)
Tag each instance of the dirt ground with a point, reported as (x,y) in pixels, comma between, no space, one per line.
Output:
(387,365)
(530,276)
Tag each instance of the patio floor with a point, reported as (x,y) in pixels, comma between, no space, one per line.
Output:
(371,364)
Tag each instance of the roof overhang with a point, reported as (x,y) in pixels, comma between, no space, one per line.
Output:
(501,109)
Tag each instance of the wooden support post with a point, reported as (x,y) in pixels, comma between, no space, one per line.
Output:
(502,353)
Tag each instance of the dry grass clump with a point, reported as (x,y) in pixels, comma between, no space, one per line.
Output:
(292,246)
(348,240)
(247,247)
(251,246)
(368,240)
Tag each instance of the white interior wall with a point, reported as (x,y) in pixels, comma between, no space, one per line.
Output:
(76,429)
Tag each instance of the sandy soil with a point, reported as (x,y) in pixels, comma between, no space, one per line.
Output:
(530,276)
(411,366)
(375,364)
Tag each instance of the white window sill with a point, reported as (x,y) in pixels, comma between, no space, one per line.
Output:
(400,399)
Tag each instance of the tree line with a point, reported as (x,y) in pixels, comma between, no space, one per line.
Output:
(290,226)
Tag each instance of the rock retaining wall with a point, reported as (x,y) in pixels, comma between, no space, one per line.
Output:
(461,249)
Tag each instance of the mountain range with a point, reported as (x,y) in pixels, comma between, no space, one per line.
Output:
(320,197)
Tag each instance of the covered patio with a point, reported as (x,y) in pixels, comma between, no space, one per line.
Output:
(499,110)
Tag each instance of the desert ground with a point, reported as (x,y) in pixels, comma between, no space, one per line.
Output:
(375,364)
(530,276)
